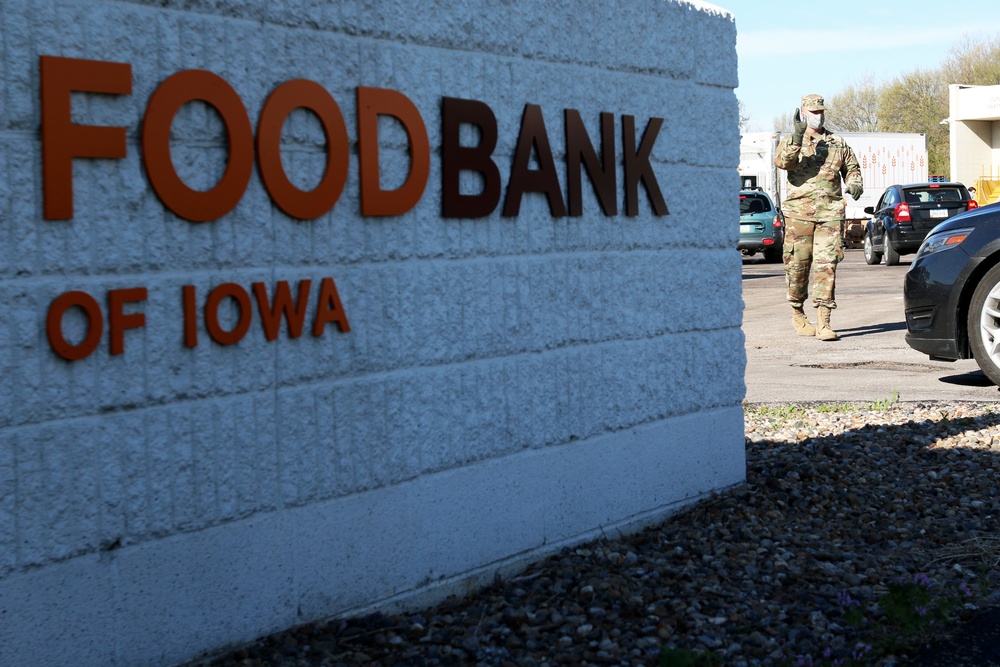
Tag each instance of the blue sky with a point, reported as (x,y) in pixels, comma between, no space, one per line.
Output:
(787,49)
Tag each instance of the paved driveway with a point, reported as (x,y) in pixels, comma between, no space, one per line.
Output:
(870,362)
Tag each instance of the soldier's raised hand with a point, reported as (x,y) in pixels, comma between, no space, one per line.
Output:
(800,128)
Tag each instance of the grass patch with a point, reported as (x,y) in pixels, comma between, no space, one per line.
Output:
(791,412)
(884,404)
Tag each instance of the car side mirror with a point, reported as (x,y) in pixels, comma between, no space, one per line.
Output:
(870,210)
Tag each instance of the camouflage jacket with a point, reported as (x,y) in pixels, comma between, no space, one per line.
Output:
(814,173)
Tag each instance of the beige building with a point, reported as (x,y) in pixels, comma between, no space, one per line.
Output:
(974,124)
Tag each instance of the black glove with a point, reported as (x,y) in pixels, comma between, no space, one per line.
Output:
(855,191)
(800,129)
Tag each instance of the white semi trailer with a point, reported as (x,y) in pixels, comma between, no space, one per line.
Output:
(886,158)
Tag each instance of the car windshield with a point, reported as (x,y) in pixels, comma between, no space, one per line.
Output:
(751,203)
(924,195)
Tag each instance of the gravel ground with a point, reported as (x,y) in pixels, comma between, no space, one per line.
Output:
(843,506)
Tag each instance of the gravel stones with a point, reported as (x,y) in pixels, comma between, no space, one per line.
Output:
(840,502)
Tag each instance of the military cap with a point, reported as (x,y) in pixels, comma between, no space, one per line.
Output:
(813,103)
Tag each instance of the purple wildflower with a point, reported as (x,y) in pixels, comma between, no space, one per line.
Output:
(845,600)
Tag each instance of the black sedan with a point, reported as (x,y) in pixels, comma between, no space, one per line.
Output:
(905,213)
(951,293)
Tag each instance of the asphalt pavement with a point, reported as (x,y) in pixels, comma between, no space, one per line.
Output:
(870,362)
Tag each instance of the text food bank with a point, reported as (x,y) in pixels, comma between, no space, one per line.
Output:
(64,141)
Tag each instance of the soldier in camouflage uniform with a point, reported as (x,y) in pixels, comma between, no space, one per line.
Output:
(815,160)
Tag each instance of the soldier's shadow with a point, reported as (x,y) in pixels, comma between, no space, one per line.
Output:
(871,329)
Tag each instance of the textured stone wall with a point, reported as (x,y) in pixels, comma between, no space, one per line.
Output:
(508,385)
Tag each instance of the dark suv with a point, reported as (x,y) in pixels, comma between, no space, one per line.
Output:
(906,213)
(762,227)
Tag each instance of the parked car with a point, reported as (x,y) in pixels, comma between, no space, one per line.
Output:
(905,213)
(951,293)
(762,226)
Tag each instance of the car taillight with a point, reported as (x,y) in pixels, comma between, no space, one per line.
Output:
(902,212)
(777,222)
(971,204)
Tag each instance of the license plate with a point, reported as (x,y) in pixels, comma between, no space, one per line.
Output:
(939,213)
(747,229)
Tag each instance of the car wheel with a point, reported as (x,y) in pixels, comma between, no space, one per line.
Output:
(772,255)
(871,257)
(984,324)
(891,256)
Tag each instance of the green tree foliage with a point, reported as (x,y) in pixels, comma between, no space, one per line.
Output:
(917,102)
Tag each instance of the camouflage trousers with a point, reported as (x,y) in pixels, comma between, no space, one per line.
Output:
(812,245)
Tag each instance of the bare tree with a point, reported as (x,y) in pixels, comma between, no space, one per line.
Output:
(856,108)
(783,123)
(974,61)
(744,116)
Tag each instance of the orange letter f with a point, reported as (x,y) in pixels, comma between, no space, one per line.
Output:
(62,140)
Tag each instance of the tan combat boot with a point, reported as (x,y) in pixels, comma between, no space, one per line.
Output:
(823,330)
(801,322)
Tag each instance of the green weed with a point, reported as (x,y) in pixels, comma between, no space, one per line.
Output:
(884,403)
(777,412)
(678,657)
(905,614)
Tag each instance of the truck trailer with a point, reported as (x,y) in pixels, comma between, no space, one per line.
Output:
(886,158)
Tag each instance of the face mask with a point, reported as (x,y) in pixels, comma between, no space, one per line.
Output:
(814,120)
